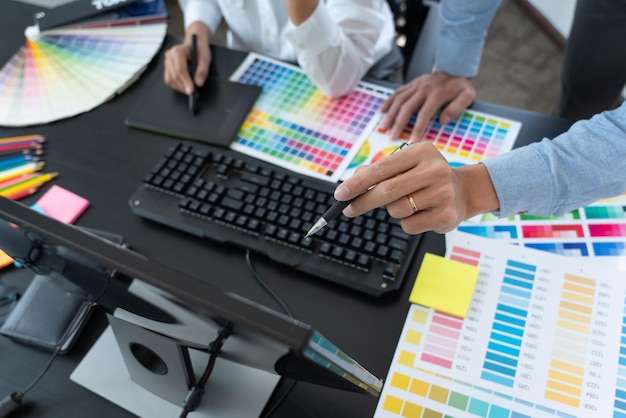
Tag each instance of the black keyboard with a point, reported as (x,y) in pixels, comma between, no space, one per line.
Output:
(226,196)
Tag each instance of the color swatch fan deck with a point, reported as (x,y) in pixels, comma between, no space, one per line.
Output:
(64,71)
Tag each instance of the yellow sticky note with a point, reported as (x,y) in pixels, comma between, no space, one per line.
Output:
(445,285)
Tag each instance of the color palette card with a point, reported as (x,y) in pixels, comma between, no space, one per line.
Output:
(597,230)
(471,137)
(294,125)
(66,71)
(543,336)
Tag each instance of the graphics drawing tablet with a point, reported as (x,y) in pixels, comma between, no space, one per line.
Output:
(222,108)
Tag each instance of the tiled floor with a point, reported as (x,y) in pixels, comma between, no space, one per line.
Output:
(520,66)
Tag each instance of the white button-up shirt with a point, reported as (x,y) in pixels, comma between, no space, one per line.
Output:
(336,46)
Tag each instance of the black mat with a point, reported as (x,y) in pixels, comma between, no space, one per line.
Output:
(222,108)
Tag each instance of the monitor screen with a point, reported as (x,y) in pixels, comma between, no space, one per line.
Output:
(187,309)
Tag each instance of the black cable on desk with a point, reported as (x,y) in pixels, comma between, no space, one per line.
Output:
(265,286)
(13,401)
(283,305)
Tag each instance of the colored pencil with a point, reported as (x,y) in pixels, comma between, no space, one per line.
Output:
(27,187)
(21,142)
(15,180)
(20,194)
(32,150)
(22,138)
(19,160)
(18,171)
(10,146)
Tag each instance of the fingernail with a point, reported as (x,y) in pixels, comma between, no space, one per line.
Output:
(348,211)
(189,91)
(342,192)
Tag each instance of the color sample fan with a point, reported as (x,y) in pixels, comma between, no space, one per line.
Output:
(68,70)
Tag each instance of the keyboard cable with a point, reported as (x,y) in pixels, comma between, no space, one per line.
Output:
(290,383)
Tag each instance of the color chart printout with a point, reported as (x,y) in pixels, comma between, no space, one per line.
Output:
(597,230)
(544,336)
(294,125)
(470,138)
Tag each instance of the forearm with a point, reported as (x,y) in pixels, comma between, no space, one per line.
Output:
(300,10)
(201,30)
(205,11)
(338,42)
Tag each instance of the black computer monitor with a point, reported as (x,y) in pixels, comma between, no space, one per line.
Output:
(180,307)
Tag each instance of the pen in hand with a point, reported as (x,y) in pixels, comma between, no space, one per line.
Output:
(193,65)
(334,211)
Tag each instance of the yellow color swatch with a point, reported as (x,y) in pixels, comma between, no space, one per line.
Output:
(413,337)
(392,404)
(406,358)
(412,410)
(445,285)
(400,381)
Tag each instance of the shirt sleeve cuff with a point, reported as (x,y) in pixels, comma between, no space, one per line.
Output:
(521,187)
(315,35)
(206,12)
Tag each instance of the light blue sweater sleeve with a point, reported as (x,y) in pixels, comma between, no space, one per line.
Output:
(578,167)
(464,26)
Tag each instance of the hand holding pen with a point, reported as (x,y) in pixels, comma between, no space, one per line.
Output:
(187,63)
(419,187)
(340,205)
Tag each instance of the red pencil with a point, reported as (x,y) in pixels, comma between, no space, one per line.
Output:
(32,150)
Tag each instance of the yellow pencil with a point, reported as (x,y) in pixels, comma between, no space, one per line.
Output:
(31,184)
(20,194)
(29,180)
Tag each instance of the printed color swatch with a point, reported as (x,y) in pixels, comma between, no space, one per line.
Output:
(543,337)
(598,230)
(472,137)
(294,125)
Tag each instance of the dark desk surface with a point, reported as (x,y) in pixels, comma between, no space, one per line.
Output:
(101,159)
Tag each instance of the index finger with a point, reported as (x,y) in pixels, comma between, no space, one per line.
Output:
(204,61)
(368,176)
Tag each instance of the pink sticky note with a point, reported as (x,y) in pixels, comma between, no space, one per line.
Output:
(62,205)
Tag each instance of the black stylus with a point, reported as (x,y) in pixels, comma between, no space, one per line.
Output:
(334,211)
(193,97)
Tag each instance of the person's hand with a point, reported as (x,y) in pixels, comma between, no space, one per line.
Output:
(177,60)
(427,93)
(419,187)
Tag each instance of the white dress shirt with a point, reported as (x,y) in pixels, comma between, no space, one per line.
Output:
(336,46)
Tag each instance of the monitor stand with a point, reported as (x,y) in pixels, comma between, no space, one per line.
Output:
(233,390)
